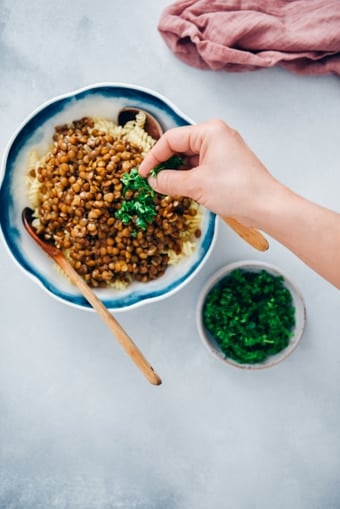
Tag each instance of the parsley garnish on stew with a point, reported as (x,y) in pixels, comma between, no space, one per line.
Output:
(250,315)
(140,207)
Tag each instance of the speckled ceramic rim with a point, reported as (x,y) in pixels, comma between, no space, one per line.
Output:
(255,266)
(132,94)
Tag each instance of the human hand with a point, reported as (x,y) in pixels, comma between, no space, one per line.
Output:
(224,175)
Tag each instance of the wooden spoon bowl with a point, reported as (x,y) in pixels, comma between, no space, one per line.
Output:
(152,126)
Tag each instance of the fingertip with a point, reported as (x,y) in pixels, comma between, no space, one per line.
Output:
(152,181)
(142,171)
(167,182)
(147,164)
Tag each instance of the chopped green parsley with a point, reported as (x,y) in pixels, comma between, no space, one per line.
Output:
(140,208)
(251,315)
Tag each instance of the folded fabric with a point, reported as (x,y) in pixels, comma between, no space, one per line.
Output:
(244,35)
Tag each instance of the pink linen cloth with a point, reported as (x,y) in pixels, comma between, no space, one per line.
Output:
(244,35)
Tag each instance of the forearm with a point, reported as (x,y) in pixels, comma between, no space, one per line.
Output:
(310,231)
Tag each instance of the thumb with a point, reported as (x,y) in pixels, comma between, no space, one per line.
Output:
(173,183)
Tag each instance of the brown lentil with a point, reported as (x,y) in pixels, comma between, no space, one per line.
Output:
(80,192)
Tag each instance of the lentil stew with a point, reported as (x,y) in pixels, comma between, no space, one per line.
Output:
(76,190)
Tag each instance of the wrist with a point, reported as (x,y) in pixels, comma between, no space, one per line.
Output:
(273,207)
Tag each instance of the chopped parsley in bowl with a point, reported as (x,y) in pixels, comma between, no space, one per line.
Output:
(250,315)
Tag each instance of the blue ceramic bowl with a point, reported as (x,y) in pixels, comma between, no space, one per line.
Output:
(36,131)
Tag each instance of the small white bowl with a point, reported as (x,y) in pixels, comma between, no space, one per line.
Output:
(100,100)
(252,266)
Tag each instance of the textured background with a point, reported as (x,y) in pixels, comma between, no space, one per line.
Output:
(79,426)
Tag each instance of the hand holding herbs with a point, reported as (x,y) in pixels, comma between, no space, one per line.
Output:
(251,315)
(139,207)
(227,178)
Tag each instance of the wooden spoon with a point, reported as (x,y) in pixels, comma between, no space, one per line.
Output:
(120,334)
(251,235)
(153,128)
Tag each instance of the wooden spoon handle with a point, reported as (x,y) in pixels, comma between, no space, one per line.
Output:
(250,235)
(126,342)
